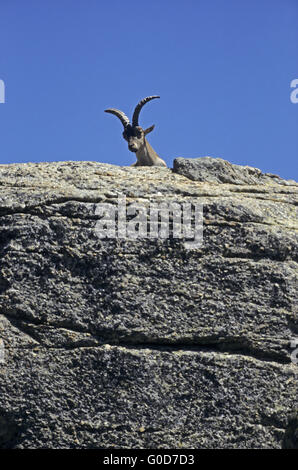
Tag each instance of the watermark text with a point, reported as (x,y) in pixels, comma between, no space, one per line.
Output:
(294,93)
(2,352)
(159,220)
(2,91)
(294,354)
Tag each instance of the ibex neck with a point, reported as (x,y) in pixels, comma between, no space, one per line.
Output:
(146,155)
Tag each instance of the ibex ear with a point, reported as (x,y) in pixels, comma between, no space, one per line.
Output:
(150,129)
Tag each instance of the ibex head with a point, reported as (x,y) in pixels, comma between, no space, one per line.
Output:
(134,134)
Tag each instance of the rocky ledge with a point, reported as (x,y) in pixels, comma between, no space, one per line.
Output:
(143,343)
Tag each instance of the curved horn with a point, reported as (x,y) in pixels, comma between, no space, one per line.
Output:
(135,118)
(120,114)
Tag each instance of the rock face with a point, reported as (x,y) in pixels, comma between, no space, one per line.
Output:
(217,170)
(142,343)
(291,435)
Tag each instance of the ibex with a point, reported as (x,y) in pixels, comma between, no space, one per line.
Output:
(135,136)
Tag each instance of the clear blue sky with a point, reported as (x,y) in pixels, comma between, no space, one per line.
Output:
(223,69)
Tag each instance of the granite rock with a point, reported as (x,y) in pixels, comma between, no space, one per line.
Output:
(144,343)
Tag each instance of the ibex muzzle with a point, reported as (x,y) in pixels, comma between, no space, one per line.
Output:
(135,136)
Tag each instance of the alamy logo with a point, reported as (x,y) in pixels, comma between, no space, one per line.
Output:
(294,354)
(161,220)
(2,354)
(2,91)
(294,94)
